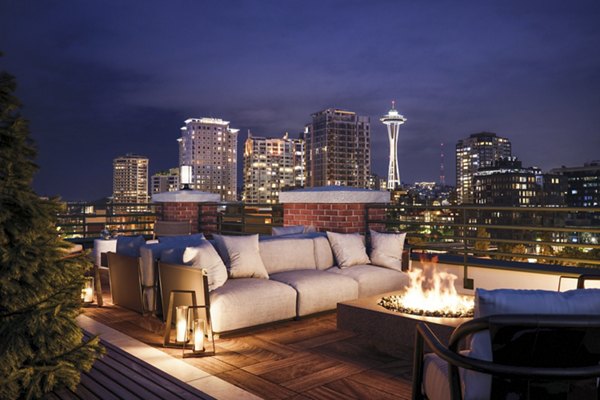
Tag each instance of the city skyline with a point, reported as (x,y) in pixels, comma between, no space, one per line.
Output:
(99,80)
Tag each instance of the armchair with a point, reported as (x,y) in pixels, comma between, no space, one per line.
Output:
(551,315)
(534,356)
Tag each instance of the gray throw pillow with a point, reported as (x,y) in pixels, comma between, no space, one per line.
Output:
(206,257)
(348,249)
(241,255)
(386,249)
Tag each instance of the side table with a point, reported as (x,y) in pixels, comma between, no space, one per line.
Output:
(101,247)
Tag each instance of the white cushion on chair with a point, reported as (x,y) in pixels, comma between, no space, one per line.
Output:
(512,301)
(436,385)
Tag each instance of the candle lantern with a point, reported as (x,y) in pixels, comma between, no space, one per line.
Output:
(87,293)
(199,329)
(181,324)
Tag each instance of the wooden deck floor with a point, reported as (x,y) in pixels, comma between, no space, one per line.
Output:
(305,359)
(118,375)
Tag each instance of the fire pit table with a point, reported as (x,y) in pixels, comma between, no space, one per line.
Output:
(389,331)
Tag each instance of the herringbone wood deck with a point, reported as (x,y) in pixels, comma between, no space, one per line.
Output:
(305,359)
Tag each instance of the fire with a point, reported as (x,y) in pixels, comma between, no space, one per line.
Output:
(430,293)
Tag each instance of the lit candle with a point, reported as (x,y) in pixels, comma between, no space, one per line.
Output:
(198,335)
(181,323)
(87,293)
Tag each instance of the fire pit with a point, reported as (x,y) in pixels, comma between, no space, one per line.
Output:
(384,321)
(432,294)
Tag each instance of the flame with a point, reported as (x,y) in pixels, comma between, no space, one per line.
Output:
(432,292)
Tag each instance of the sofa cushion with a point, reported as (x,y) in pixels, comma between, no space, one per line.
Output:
(206,257)
(245,302)
(374,280)
(287,230)
(386,249)
(130,245)
(348,249)
(287,254)
(323,254)
(318,290)
(241,255)
(182,241)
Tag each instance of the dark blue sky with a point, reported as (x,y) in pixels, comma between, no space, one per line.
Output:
(103,78)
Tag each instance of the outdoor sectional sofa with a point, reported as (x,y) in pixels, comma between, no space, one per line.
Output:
(298,276)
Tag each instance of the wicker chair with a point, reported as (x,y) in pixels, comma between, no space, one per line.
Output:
(535,356)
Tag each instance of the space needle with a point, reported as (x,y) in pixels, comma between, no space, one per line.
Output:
(393,120)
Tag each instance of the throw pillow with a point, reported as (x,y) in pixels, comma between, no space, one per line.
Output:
(348,249)
(206,257)
(386,249)
(287,230)
(241,255)
(129,245)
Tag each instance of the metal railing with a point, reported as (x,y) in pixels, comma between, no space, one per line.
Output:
(560,240)
(83,222)
(239,218)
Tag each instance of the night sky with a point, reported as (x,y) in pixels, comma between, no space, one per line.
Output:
(99,79)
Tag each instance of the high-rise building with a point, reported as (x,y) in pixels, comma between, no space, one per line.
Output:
(583,184)
(479,150)
(165,181)
(270,166)
(209,146)
(338,149)
(393,120)
(508,183)
(130,179)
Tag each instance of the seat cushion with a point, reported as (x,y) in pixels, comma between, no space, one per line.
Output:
(372,279)
(245,302)
(318,290)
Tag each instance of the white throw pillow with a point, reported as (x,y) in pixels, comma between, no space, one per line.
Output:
(386,249)
(348,249)
(206,257)
(242,256)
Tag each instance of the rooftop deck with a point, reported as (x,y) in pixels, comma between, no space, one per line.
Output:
(305,359)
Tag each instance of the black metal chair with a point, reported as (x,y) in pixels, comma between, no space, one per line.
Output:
(534,356)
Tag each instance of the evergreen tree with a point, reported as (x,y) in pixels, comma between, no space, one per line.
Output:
(41,346)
